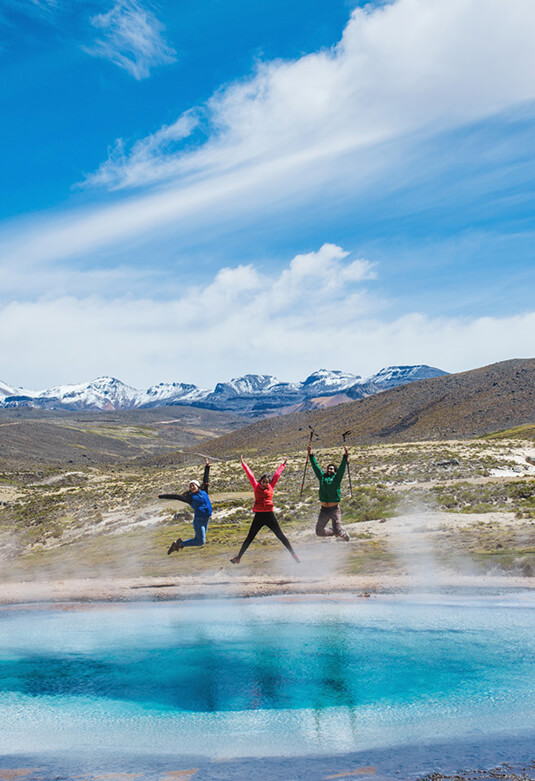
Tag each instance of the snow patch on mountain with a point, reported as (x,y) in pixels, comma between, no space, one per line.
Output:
(252,394)
(392,376)
(170,393)
(104,393)
(324,382)
(7,390)
(248,385)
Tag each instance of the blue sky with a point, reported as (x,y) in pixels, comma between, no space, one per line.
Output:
(196,190)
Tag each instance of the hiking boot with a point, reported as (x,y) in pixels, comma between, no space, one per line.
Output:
(235,560)
(345,537)
(176,545)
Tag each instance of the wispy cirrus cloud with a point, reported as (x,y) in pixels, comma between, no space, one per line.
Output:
(146,161)
(337,120)
(399,68)
(30,8)
(131,37)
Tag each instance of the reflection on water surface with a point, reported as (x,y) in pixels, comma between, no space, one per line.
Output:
(304,676)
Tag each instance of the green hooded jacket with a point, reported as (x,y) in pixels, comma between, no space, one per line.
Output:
(329,486)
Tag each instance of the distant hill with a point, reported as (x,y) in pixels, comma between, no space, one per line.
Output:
(456,406)
(28,435)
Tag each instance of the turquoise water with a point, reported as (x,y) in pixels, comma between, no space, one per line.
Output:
(301,676)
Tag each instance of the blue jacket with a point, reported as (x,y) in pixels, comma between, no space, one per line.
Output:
(200,501)
(201,504)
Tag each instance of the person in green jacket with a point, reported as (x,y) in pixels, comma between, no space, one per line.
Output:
(330,496)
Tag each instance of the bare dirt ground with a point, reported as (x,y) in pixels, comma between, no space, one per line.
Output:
(214,587)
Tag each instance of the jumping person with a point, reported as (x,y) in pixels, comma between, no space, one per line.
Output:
(330,496)
(263,510)
(197,497)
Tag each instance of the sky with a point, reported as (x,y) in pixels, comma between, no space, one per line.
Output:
(195,190)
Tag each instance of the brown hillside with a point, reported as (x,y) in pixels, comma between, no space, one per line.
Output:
(105,437)
(457,406)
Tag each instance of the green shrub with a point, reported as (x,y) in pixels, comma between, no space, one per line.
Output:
(370,503)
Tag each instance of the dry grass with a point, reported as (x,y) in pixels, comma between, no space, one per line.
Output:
(99,520)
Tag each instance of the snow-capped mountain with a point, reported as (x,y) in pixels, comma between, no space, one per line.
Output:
(252,394)
(10,392)
(248,385)
(399,375)
(7,390)
(326,383)
(168,393)
(104,393)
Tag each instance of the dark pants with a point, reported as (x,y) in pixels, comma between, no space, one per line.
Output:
(269,520)
(333,515)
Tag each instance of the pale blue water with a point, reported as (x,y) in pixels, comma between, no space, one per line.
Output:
(263,677)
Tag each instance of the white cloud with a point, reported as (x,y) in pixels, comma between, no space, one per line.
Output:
(242,315)
(131,38)
(328,122)
(21,282)
(399,67)
(315,280)
(307,316)
(143,163)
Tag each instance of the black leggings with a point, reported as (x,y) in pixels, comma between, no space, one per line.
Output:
(269,520)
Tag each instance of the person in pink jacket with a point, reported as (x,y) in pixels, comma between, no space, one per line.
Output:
(263,511)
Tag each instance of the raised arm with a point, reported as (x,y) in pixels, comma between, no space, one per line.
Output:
(277,474)
(249,474)
(206,477)
(341,470)
(315,465)
(185,497)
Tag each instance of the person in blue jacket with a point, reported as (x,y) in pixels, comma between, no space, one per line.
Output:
(197,497)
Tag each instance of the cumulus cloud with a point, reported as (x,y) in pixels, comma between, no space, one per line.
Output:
(315,280)
(131,37)
(243,316)
(319,311)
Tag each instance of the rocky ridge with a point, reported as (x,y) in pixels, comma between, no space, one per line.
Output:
(455,406)
(253,394)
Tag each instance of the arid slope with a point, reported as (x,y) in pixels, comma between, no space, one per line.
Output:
(61,437)
(457,406)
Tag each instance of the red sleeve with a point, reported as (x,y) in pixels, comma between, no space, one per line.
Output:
(250,475)
(277,474)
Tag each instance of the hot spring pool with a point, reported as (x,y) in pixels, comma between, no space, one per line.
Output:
(281,677)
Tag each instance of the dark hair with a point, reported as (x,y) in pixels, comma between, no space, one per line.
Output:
(264,477)
(334,467)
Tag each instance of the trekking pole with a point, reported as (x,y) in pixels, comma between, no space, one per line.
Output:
(344,435)
(312,434)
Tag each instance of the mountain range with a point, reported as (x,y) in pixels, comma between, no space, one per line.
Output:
(480,402)
(255,395)
(496,400)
